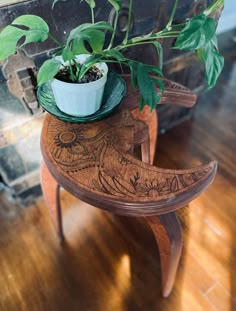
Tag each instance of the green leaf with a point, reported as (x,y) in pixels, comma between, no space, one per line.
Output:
(112,53)
(159,83)
(85,28)
(159,49)
(91,3)
(8,41)
(141,103)
(101,26)
(143,75)
(116,4)
(88,63)
(95,38)
(48,71)
(78,32)
(37,28)
(149,95)
(67,54)
(154,69)
(133,74)
(78,46)
(214,63)
(197,33)
(214,41)
(9,37)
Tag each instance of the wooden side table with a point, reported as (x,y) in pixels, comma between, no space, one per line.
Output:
(94,162)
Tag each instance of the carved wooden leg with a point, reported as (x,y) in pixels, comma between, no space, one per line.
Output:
(51,193)
(148,147)
(167,231)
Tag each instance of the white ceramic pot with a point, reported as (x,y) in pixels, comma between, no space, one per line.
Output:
(83,99)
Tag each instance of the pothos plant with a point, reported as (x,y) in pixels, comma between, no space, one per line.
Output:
(195,34)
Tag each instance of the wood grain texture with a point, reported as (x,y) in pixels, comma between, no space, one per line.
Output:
(103,266)
(167,231)
(148,146)
(51,194)
(91,162)
(175,94)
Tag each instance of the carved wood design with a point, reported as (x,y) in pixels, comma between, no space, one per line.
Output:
(91,161)
(175,94)
(148,147)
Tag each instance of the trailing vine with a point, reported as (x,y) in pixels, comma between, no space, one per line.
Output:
(195,34)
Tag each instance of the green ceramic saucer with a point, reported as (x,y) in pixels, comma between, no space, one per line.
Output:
(113,94)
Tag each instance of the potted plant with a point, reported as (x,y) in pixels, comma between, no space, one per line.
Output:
(91,45)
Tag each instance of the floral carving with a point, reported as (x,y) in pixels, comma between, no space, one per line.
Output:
(97,159)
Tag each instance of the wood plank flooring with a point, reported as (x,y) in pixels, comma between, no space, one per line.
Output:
(111,263)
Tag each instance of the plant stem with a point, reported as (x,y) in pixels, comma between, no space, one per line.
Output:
(213,7)
(113,61)
(148,39)
(114,31)
(92,15)
(129,22)
(77,69)
(165,33)
(168,26)
(124,46)
(168,34)
(73,77)
(55,40)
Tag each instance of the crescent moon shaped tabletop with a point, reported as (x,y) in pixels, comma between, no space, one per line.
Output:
(94,161)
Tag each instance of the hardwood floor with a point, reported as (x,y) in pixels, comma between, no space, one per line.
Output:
(111,263)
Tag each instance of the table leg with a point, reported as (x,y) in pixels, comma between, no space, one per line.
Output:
(167,231)
(51,193)
(166,228)
(148,147)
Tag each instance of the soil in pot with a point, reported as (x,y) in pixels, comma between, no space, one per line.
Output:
(93,74)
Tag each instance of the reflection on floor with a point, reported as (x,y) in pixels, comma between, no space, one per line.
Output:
(111,263)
